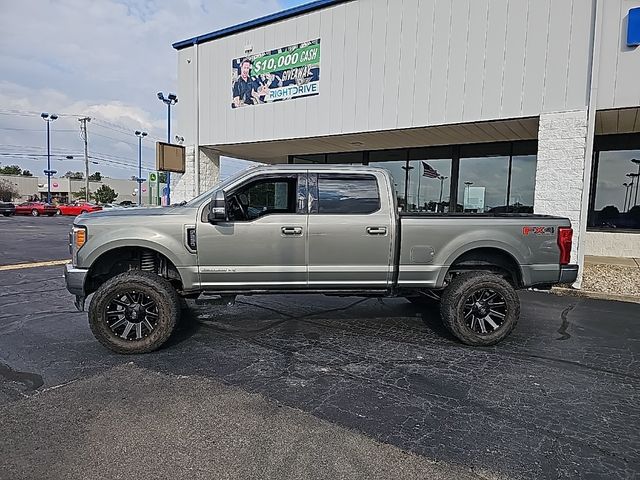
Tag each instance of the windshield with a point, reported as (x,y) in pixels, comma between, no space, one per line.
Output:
(194,202)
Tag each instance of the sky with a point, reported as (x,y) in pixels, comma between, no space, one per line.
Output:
(105,59)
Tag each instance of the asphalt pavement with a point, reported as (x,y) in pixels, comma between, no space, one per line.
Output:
(32,239)
(314,387)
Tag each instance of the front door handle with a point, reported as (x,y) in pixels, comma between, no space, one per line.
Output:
(377,230)
(289,231)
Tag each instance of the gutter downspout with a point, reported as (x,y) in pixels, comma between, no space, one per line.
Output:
(594,73)
(196,141)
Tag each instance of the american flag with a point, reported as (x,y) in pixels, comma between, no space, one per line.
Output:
(429,171)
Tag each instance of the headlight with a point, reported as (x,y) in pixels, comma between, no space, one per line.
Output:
(78,237)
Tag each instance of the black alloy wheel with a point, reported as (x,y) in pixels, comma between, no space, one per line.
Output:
(132,315)
(134,312)
(485,311)
(480,308)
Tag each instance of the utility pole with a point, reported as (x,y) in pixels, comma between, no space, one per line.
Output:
(83,131)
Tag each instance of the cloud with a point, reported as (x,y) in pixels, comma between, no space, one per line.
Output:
(105,59)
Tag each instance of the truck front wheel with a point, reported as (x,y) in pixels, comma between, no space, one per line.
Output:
(134,312)
(480,309)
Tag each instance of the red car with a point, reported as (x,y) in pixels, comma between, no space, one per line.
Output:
(77,208)
(35,209)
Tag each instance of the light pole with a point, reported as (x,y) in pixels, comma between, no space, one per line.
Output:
(635,199)
(48,172)
(465,197)
(169,100)
(635,179)
(140,136)
(442,179)
(407,168)
(626,192)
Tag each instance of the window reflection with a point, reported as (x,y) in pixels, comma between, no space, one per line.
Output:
(482,185)
(429,182)
(523,175)
(395,162)
(617,200)
(492,177)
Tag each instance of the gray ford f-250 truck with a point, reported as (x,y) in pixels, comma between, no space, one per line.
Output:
(308,229)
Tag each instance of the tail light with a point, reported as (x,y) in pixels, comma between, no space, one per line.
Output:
(565,238)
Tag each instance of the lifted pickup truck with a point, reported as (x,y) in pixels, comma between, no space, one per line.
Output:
(308,229)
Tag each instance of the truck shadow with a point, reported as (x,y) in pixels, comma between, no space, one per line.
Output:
(294,317)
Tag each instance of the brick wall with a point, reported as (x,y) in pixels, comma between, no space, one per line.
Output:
(183,186)
(562,140)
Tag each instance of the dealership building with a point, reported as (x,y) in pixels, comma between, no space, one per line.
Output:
(477,106)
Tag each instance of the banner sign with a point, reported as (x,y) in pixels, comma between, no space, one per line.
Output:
(282,74)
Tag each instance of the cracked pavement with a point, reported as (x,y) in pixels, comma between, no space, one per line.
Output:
(557,399)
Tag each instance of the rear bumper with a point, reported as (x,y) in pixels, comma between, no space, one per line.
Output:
(74,278)
(568,273)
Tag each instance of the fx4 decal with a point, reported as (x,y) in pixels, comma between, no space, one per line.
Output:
(544,231)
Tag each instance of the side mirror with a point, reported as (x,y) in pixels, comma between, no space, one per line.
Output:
(218,208)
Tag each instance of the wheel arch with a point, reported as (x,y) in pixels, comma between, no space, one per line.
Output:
(121,259)
(486,258)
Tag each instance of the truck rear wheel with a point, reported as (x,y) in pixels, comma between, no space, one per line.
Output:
(134,312)
(480,309)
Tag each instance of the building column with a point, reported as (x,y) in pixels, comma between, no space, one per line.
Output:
(183,186)
(209,168)
(562,143)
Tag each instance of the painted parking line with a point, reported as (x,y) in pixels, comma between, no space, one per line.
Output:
(18,266)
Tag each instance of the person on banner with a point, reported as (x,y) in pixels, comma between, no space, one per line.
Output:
(244,88)
(265,83)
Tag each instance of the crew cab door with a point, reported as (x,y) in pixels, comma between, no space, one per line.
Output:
(263,243)
(350,231)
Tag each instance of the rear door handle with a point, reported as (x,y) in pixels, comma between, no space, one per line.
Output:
(291,231)
(377,230)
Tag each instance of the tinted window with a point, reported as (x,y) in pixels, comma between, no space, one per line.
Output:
(354,194)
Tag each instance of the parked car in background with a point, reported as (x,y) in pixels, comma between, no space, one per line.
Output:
(111,206)
(35,209)
(75,209)
(126,203)
(7,209)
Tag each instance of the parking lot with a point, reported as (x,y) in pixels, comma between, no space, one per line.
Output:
(310,387)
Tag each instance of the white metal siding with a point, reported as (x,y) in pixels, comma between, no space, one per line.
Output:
(389,64)
(619,84)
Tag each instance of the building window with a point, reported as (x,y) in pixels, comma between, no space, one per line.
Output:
(483,184)
(429,178)
(395,162)
(476,178)
(615,199)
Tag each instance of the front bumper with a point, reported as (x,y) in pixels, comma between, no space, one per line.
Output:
(568,273)
(74,278)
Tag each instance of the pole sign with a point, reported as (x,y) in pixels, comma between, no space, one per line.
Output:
(282,74)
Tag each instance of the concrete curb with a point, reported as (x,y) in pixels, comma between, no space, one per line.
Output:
(597,295)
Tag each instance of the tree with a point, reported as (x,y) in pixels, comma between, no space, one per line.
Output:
(74,175)
(11,170)
(82,194)
(105,194)
(8,190)
(95,177)
(26,173)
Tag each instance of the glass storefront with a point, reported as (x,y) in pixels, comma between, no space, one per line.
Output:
(615,199)
(482,178)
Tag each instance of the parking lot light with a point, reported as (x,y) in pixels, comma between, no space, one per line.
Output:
(140,136)
(48,172)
